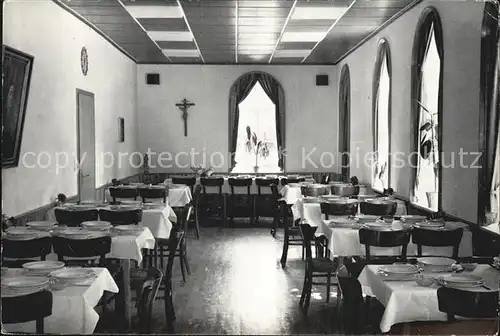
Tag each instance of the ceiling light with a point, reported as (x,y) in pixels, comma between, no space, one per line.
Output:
(318,13)
(167,12)
(291,53)
(170,36)
(181,52)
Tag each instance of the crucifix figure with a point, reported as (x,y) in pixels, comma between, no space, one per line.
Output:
(183,106)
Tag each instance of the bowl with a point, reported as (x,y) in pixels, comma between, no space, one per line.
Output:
(469,267)
(424,280)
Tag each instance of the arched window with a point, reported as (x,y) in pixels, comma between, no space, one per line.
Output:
(345,120)
(381,117)
(489,180)
(256,124)
(427,106)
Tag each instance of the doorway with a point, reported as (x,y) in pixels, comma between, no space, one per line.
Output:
(345,121)
(85,116)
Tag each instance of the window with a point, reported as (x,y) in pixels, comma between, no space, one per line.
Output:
(381,118)
(345,120)
(427,102)
(257,111)
(489,179)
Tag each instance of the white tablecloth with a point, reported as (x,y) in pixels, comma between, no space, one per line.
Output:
(345,242)
(72,307)
(179,197)
(495,228)
(311,212)
(291,195)
(406,301)
(159,221)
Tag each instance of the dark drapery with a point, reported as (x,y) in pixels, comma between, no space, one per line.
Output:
(429,21)
(239,91)
(489,103)
(345,120)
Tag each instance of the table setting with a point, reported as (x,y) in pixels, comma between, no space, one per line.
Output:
(409,290)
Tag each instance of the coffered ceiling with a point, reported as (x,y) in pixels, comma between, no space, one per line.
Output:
(237,31)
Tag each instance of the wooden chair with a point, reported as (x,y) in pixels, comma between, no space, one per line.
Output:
(157,193)
(91,252)
(338,209)
(451,238)
(267,204)
(293,235)
(377,238)
(194,210)
(25,250)
(190,181)
(240,205)
(213,203)
(123,193)
(121,217)
(25,308)
(315,267)
(163,245)
(147,283)
(379,209)
(73,218)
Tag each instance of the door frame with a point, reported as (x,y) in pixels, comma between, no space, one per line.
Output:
(79,178)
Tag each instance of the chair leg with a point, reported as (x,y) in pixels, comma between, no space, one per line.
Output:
(308,294)
(183,269)
(197,224)
(328,284)
(186,263)
(160,246)
(304,290)
(285,249)
(169,309)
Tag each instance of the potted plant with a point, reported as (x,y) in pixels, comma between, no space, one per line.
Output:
(429,150)
(260,148)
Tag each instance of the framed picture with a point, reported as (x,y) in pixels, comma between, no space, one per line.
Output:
(16,74)
(121,129)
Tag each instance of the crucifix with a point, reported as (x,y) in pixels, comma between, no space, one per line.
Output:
(183,106)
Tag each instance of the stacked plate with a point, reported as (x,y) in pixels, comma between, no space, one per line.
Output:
(23,285)
(435,264)
(342,222)
(21,233)
(75,233)
(366,218)
(378,226)
(461,281)
(96,226)
(430,224)
(41,226)
(127,230)
(72,275)
(42,268)
(329,197)
(398,272)
(413,219)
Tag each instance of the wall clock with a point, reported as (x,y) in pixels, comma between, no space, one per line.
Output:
(84,61)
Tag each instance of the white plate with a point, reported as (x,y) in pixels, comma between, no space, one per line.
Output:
(128,228)
(429,224)
(73,274)
(45,266)
(399,269)
(23,282)
(96,225)
(41,225)
(436,261)
(397,277)
(366,218)
(463,279)
(81,234)
(413,218)
(18,230)
(23,236)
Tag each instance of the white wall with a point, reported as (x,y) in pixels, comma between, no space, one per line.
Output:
(55,38)
(461,23)
(311,111)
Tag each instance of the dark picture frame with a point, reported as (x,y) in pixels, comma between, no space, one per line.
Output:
(121,129)
(17,67)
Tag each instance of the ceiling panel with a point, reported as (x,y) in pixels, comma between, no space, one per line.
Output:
(237,31)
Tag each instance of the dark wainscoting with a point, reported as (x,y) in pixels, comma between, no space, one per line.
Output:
(39,214)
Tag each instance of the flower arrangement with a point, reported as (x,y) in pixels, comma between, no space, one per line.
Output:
(200,170)
(260,148)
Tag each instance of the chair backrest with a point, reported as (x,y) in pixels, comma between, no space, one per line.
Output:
(212,182)
(265,183)
(378,238)
(146,299)
(75,217)
(307,236)
(33,248)
(82,248)
(190,181)
(423,237)
(325,179)
(118,192)
(352,303)
(378,209)
(240,182)
(153,193)
(121,217)
(465,303)
(25,308)
(286,180)
(338,209)
(174,241)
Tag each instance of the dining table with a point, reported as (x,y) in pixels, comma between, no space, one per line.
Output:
(407,301)
(178,195)
(72,306)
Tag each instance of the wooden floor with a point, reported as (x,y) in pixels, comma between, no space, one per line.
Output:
(237,286)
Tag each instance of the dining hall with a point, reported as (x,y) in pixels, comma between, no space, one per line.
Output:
(251,167)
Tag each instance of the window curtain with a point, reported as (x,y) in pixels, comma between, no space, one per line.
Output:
(275,92)
(490,111)
(239,92)
(344,124)
(429,22)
